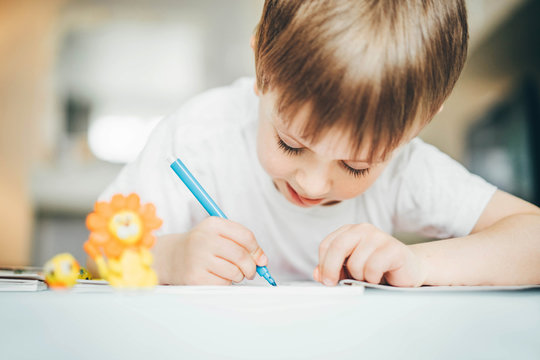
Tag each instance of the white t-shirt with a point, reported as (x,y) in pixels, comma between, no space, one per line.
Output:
(421,190)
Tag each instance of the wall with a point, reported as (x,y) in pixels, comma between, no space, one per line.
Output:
(26,57)
(494,67)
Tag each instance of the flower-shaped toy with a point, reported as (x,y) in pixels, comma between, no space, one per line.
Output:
(120,240)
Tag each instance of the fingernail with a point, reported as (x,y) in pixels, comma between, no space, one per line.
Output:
(328,282)
(263,259)
(316,275)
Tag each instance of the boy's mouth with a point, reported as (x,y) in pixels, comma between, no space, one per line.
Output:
(300,200)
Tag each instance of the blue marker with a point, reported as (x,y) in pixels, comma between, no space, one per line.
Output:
(206,201)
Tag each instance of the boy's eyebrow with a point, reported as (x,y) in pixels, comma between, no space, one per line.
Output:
(358,161)
(292,137)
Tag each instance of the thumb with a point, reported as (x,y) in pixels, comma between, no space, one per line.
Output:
(259,257)
(317,274)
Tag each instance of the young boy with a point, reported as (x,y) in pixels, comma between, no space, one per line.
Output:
(320,165)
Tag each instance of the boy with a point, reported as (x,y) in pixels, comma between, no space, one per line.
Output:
(321,164)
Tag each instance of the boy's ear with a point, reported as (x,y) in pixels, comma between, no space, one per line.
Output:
(442,106)
(255,88)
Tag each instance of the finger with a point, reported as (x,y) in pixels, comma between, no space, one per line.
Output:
(325,243)
(340,248)
(387,258)
(239,234)
(226,270)
(205,277)
(214,279)
(344,273)
(356,262)
(237,255)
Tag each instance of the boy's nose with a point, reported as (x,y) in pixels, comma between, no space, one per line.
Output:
(314,183)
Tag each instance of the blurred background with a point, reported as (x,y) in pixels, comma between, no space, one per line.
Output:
(83,82)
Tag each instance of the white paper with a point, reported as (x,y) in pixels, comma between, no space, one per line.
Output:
(286,288)
(21,285)
(353,283)
(31,279)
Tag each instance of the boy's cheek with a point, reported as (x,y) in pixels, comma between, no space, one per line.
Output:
(349,187)
(273,161)
(275,166)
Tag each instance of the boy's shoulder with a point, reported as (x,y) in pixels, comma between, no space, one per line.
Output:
(416,152)
(215,111)
(418,162)
(421,169)
(411,154)
(417,149)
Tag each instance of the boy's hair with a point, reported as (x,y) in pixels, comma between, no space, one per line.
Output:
(367,67)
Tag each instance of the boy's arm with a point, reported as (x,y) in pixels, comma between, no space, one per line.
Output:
(503,248)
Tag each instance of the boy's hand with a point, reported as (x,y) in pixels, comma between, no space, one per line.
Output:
(215,252)
(363,252)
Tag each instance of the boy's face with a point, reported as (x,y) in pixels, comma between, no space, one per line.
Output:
(322,173)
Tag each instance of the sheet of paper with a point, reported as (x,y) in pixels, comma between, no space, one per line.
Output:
(304,288)
(31,279)
(29,273)
(286,288)
(21,285)
(353,283)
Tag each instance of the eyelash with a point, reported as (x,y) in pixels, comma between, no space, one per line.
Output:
(296,151)
(288,149)
(355,172)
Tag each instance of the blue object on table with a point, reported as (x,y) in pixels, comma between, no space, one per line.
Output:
(211,207)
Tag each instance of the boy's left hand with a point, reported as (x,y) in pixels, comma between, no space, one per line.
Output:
(363,252)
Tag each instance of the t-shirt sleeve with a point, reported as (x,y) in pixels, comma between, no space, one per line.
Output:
(436,196)
(197,134)
(151,177)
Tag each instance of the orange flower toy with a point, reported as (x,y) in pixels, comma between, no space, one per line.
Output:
(120,241)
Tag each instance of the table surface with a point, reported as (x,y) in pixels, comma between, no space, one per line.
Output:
(378,324)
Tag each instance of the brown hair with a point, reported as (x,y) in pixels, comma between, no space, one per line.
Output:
(375,67)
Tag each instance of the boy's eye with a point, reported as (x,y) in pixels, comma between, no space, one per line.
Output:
(355,172)
(286,148)
(296,151)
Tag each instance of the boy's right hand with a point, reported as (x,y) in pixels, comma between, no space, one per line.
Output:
(215,252)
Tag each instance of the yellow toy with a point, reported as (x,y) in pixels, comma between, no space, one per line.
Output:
(120,241)
(84,274)
(61,271)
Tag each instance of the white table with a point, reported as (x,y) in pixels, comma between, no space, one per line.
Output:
(376,325)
